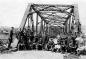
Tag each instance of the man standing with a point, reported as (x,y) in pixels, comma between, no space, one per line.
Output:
(11,37)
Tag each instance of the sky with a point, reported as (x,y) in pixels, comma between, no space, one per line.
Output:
(12,11)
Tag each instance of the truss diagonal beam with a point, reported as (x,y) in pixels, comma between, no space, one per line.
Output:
(25,17)
(38,13)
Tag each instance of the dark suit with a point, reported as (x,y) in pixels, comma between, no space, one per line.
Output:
(11,38)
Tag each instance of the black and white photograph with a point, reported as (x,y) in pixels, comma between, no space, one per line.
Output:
(42,29)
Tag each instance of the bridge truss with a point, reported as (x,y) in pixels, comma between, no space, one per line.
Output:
(44,19)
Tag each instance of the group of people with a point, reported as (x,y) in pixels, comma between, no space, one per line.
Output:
(27,41)
(73,44)
(68,44)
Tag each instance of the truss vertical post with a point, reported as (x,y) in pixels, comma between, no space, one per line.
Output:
(72,25)
(36,24)
(66,27)
(69,24)
(44,28)
(28,22)
(48,29)
(41,28)
(32,23)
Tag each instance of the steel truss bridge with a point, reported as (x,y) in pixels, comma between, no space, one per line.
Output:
(44,19)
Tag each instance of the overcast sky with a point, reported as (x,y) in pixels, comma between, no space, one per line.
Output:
(12,11)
